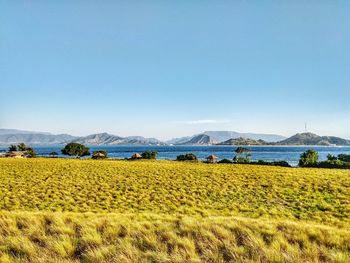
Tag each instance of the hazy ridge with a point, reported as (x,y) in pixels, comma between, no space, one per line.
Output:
(12,136)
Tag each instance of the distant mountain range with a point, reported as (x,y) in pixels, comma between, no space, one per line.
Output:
(11,136)
(215,137)
(109,139)
(226,135)
(298,139)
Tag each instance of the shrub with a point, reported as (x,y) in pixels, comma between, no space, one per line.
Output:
(344,157)
(237,159)
(308,159)
(187,157)
(334,164)
(261,162)
(225,161)
(331,157)
(342,161)
(275,163)
(150,155)
(281,163)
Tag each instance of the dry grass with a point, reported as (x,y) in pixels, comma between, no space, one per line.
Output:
(88,237)
(147,211)
(174,188)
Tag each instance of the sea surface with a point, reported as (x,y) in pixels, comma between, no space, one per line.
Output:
(290,154)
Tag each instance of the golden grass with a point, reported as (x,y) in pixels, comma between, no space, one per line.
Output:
(89,237)
(174,188)
(56,210)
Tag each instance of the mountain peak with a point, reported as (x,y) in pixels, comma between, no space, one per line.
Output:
(307,134)
(201,139)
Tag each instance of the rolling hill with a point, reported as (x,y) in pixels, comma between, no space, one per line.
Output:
(314,139)
(243,141)
(299,139)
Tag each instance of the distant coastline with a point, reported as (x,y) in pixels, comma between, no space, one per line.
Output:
(291,154)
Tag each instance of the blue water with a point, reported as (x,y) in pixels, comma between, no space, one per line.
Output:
(266,153)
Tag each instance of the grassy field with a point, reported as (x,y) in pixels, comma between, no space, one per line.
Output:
(56,210)
(75,237)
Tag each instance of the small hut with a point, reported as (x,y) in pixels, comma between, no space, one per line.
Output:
(99,155)
(136,156)
(212,159)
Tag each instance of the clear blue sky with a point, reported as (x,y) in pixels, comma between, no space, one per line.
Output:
(173,68)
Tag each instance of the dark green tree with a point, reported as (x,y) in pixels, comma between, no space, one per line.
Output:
(331,157)
(30,152)
(151,155)
(21,147)
(75,149)
(308,158)
(344,157)
(13,148)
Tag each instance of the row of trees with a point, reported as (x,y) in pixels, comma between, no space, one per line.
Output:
(80,150)
(310,158)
